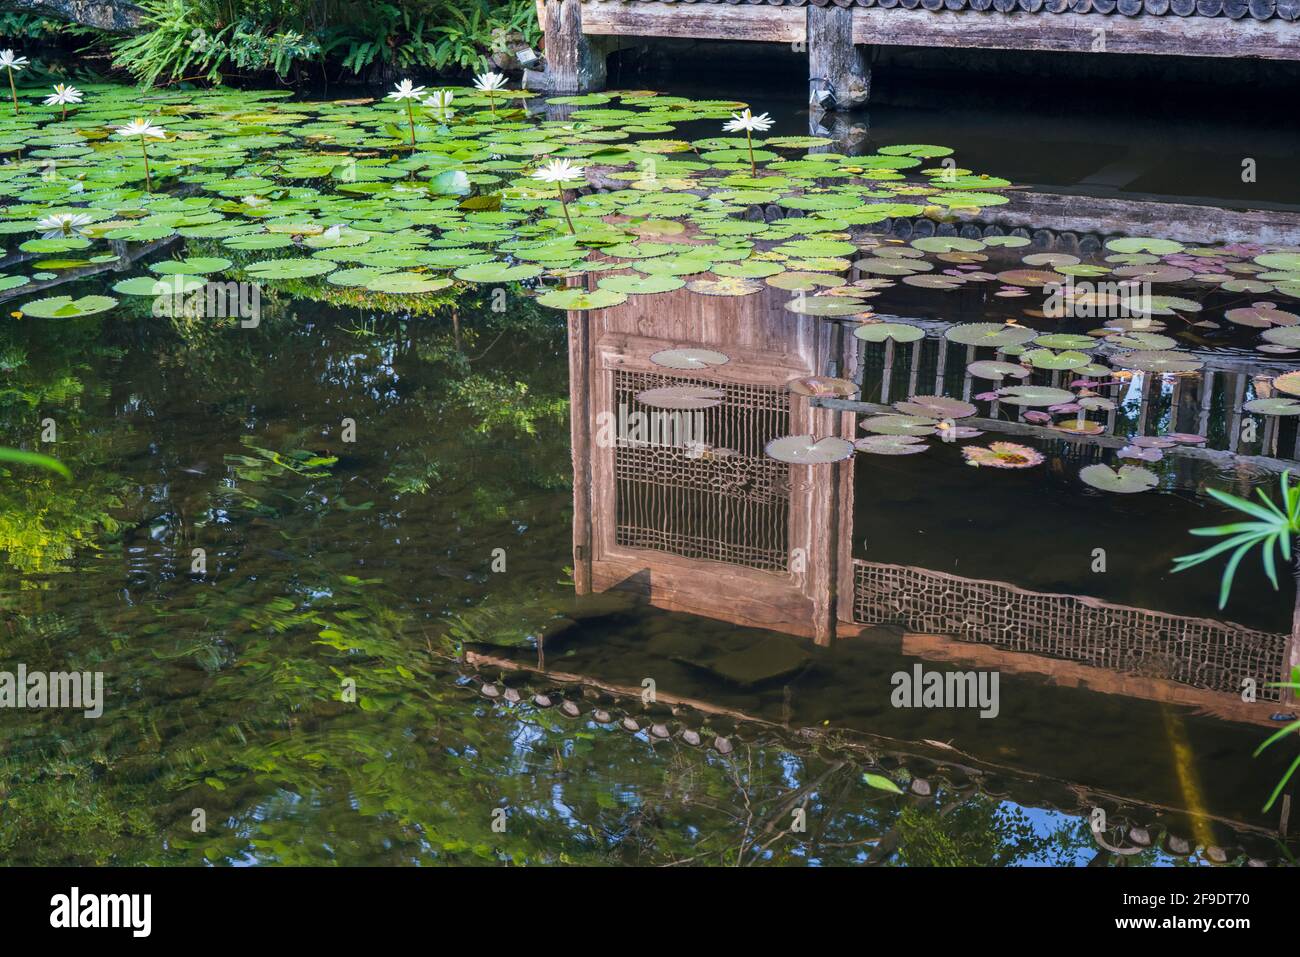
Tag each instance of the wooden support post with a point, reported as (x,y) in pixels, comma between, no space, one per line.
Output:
(575,63)
(835,65)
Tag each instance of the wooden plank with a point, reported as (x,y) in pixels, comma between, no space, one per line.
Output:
(835,65)
(580,421)
(1017,30)
(785,24)
(1077,33)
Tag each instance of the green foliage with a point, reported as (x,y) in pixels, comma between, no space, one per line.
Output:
(34,459)
(1273,528)
(206,39)
(1292,728)
(17,26)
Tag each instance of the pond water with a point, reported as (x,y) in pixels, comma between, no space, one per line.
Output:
(324,551)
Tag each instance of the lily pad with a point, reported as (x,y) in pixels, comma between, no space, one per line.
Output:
(1126,480)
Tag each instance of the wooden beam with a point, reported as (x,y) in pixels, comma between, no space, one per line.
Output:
(785,24)
(1079,33)
(1274,39)
(574,64)
(835,66)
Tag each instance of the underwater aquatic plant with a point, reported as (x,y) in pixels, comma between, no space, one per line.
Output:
(408,92)
(13,64)
(747,121)
(63,95)
(559,172)
(145,130)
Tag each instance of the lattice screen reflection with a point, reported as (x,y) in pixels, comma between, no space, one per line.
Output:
(1193,651)
(727,502)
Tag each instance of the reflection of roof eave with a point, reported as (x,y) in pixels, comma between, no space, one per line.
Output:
(1123,215)
(922,760)
(1211,658)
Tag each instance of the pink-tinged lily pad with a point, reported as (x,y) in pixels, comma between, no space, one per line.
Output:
(806,450)
(936,407)
(1065,407)
(1038,418)
(1153,442)
(890,444)
(1261,315)
(1141,454)
(1186,438)
(987,397)
(1002,455)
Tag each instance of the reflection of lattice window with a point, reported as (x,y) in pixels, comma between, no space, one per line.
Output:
(1193,651)
(729,503)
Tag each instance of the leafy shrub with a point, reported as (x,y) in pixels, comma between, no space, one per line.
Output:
(207,39)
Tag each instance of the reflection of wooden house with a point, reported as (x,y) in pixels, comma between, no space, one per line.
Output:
(742,538)
(693,528)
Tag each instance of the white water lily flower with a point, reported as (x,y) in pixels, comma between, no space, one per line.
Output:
(440,100)
(558,171)
(489,82)
(745,121)
(9,61)
(139,127)
(64,222)
(63,95)
(406,91)
(255,201)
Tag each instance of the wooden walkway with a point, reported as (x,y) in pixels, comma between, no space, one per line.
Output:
(837,35)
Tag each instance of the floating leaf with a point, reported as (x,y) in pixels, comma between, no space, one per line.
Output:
(65,307)
(1128,479)
(805,450)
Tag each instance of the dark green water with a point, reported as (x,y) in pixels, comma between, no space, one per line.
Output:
(226,690)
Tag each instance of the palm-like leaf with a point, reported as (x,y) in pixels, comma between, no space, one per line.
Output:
(1272,529)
